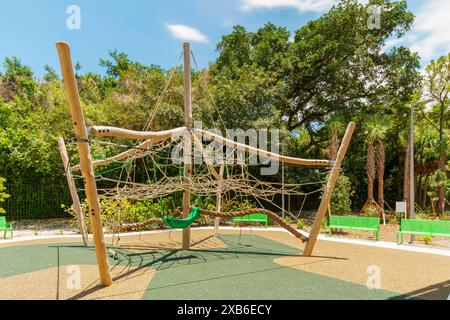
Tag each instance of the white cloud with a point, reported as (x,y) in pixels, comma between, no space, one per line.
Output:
(300,5)
(186,33)
(432,29)
(430,34)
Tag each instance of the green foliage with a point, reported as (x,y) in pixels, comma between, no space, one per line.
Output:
(436,180)
(341,198)
(371,211)
(325,69)
(427,240)
(115,212)
(287,220)
(300,223)
(237,205)
(3,194)
(305,83)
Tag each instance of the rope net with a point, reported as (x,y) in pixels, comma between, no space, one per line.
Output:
(153,173)
(156,173)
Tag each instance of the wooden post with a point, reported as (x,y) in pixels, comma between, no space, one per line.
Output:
(219,199)
(73,191)
(86,167)
(187,152)
(314,233)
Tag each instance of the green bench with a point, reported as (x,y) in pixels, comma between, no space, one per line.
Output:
(354,223)
(5,227)
(254,217)
(432,228)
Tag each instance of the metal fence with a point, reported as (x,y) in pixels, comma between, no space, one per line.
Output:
(36,202)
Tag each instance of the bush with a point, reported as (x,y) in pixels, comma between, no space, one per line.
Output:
(3,194)
(300,223)
(341,199)
(371,210)
(123,211)
(236,205)
(428,240)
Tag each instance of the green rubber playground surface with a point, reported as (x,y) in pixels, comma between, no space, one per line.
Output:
(244,270)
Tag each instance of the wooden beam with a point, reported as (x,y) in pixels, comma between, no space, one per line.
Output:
(320,215)
(269,155)
(187,149)
(157,136)
(71,88)
(73,191)
(129,153)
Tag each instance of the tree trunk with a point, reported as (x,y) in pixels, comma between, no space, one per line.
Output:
(380,169)
(334,147)
(370,165)
(381,158)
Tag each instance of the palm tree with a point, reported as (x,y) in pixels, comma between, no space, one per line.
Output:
(381,158)
(376,130)
(370,167)
(336,129)
(437,83)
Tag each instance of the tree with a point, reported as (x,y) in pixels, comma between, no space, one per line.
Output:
(50,74)
(437,86)
(376,130)
(426,157)
(335,64)
(370,167)
(437,180)
(16,79)
(336,129)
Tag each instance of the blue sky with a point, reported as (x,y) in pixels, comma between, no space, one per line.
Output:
(151,31)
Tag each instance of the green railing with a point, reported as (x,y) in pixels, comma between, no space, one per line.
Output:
(36,202)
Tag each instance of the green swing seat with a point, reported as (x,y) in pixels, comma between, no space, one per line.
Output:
(182,223)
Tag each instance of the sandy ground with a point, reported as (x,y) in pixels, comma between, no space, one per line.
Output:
(130,282)
(60,284)
(416,274)
(400,271)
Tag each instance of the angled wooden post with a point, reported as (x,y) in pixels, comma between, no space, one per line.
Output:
(73,191)
(187,152)
(320,215)
(86,167)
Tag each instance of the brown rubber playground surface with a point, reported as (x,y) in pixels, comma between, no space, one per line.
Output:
(262,265)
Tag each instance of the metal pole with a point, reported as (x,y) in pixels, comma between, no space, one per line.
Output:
(411,172)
